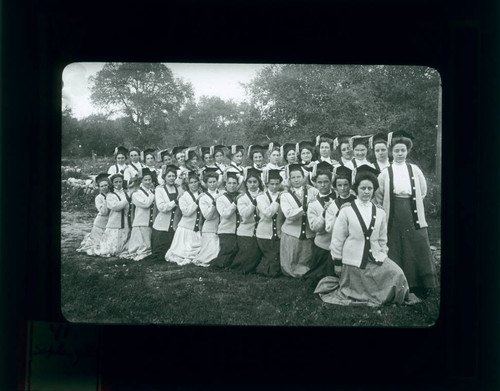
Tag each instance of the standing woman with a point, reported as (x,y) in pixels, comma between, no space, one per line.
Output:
(115,237)
(180,158)
(229,222)
(324,144)
(91,242)
(165,158)
(169,214)
(133,172)
(218,152)
(342,183)
(209,240)
(343,146)
(139,245)
(236,157)
(322,263)
(359,242)
(296,235)
(359,145)
(120,158)
(269,226)
(289,156)
(209,163)
(274,162)
(149,161)
(378,144)
(187,239)
(249,254)
(401,193)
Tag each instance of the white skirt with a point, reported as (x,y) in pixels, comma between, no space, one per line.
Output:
(91,242)
(209,249)
(139,245)
(185,246)
(113,242)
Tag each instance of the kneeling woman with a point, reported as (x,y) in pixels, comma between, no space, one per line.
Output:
(359,242)
(229,222)
(209,239)
(249,254)
(139,245)
(115,238)
(167,219)
(296,235)
(187,239)
(91,242)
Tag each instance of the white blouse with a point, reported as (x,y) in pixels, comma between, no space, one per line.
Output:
(402,184)
(365,209)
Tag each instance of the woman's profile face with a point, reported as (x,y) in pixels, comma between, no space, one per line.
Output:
(118,183)
(193,184)
(360,152)
(231,184)
(399,152)
(252,184)
(291,156)
(345,151)
(134,156)
(343,187)
(324,149)
(381,152)
(274,158)
(297,178)
(120,159)
(170,178)
(104,187)
(365,190)
(306,155)
(150,160)
(238,157)
(258,159)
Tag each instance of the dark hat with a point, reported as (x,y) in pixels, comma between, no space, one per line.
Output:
(176,150)
(216,148)
(148,151)
(101,177)
(377,138)
(325,137)
(339,140)
(192,174)
(163,153)
(120,150)
(357,140)
(322,166)
(134,149)
(209,171)
(398,135)
(253,172)
(231,174)
(172,168)
(112,177)
(256,148)
(236,148)
(205,150)
(273,146)
(274,174)
(295,167)
(365,168)
(305,145)
(287,147)
(343,172)
(147,171)
(190,153)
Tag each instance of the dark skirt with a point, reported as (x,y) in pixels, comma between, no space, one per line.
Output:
(160,243)
(321,265)
(248,256)
(227,252)
(409,247)
(270,262)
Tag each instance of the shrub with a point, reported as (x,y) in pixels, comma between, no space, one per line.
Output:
(432,201)
(77,194)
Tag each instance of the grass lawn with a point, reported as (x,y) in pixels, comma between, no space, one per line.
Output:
(100,290)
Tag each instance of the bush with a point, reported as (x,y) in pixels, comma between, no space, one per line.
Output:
(432,202)
(77,194)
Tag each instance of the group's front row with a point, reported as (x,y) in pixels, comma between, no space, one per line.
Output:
(325,236)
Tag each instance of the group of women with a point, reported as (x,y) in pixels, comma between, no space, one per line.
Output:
(354,228)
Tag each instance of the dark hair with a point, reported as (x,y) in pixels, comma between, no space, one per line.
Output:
(323,172)
(341,177)
(402,140)
(259,180)
(209,175)
(298,169)
(166,170)
(362,176)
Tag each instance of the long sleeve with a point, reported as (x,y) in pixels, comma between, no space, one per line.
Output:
(207,207)
(114,203)
(141,200)
(379,193)
(289,207)
(382,239)
(225,207)
(100,204)
(330,217)
(265,209)
(315,217)
(245,207)
(421,180)
(187,205)
(163,203)
(339,234)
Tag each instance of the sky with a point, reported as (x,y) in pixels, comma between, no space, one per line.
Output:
(222,80)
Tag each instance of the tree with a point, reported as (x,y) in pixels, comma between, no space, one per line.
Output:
(146,93)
